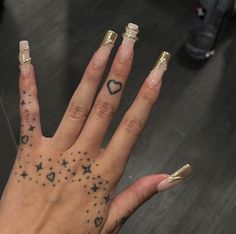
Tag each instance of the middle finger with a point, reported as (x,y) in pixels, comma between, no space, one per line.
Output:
(110,95)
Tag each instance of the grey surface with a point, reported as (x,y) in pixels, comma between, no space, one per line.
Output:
(193,121)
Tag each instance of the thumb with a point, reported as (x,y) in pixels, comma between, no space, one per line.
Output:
(124,204)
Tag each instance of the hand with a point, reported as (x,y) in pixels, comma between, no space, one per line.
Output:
(64,184)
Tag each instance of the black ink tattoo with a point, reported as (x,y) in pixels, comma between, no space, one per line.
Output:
(98,221)
(107,198)
(31,128)
(114,86)
(39,166)
(24,174)
(64,163)
(87,169)
(51,176)
(23,103)
(94,188)
(24,139)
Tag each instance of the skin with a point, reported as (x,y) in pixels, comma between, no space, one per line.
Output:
(65,184)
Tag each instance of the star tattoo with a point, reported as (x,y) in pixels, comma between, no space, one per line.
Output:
(24,174)
(39,166)
(87,169)
(64,163)
(107,198)
(94,188)
(31,128)
(23,103)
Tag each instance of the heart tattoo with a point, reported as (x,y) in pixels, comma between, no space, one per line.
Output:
(51,176)
(114,86)
(24,139)
(98,221)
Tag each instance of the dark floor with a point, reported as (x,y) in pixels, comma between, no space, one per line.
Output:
(195,118)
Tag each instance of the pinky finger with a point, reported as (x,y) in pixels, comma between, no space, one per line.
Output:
(124,204)
(29,106)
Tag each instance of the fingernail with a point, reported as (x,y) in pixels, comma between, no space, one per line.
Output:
(159,68)
(24,58)
(176,178)
(129,39)
(102,54)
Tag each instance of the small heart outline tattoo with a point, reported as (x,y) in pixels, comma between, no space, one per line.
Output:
(117,86)
(24,139)
(98,221)
(51,176)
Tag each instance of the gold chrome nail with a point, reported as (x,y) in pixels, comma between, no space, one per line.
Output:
(181,174)
(24,53)
(131,31)
(109,39)
(163,60)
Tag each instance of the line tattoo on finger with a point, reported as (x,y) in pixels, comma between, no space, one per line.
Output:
(114,86)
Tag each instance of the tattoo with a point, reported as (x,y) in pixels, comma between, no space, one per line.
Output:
(114,86)
(24,139)
(48,172)
(64,163)
(23,103)
(87,169)
(94,188)
(39,166)
(31,128)
(51,176)
(24,174)
(98,221)
(107,198)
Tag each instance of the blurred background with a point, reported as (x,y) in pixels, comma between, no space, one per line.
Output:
(193,122)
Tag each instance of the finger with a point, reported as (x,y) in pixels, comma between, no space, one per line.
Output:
(135,118)
(29,107)
(83,97)
(109,97)
(124,204)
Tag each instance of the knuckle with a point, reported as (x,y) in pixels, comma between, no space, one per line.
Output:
(133,126)
(104,109)
(77,112)
(148,97)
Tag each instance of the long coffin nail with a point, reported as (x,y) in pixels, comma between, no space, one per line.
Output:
(175,178)
(160,67)
(129,39)
(102,54)
(24,58)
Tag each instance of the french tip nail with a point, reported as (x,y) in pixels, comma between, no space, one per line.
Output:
(175,178)
(163,61)
(109,38)
(24,58)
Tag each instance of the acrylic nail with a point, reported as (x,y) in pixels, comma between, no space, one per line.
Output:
(129,39)
(102,54)
(24,58)
(176,178)
(160,67)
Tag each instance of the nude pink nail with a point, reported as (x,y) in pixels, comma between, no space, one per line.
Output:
(102,54)
(174,179)
(24,58)
(160,67)
(129,39)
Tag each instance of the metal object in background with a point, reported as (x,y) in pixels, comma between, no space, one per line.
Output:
(207,23)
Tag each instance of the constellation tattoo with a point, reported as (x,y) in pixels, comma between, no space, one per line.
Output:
(31,128)
(94,188)
(114,86)
(24,174)
(22,103)
(39,166)
(87,169)
(64,163)
(107,198)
